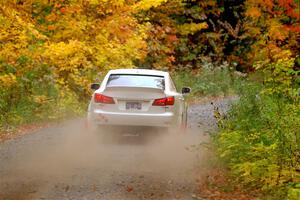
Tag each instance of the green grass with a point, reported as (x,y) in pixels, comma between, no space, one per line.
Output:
(32,109)
(219,82)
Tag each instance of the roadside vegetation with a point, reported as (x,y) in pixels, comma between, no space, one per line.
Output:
(210,82)
(259,138)
(50,51)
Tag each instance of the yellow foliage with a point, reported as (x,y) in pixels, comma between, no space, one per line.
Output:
(191,28)
(40,99)
(147,4)
(71,38)
(7,80)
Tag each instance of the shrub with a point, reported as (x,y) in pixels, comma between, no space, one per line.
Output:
(260,138)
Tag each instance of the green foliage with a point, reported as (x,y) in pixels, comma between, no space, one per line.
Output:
(260,139)
(210,81)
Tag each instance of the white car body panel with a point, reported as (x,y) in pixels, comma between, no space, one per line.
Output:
(147,115)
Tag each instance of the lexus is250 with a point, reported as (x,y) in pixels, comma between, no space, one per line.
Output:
(137,98)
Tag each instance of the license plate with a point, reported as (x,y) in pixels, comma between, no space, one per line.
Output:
(133,106)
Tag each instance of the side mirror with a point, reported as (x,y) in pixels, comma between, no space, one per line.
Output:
(186,90)
(95,86)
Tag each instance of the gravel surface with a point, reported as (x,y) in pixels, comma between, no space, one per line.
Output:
(65,162)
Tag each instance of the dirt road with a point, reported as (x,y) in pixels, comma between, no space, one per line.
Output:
(63,163)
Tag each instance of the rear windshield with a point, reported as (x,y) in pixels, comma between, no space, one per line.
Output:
(136,81)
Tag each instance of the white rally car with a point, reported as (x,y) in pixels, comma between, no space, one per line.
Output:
(137,97)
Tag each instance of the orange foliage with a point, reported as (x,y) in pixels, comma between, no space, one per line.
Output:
(253,12)
(292,9)
(293,28)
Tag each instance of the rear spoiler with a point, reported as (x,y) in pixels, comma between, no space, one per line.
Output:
(133,87)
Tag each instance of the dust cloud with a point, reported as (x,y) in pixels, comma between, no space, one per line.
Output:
(68,161)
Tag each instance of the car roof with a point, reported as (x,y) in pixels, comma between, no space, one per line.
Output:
(139,71)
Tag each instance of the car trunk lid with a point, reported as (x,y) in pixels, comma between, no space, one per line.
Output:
(135,99)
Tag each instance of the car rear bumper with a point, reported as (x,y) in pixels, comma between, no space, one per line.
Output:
(100,117)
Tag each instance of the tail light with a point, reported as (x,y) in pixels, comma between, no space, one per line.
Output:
(168,101)
(100,98)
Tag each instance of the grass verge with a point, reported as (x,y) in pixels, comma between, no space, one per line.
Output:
(29,113)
